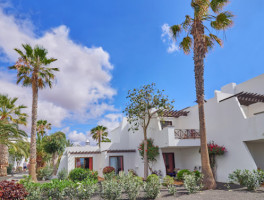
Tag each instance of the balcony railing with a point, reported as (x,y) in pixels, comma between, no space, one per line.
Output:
(186,133)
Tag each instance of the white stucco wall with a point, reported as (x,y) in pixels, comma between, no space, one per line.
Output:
(227,123)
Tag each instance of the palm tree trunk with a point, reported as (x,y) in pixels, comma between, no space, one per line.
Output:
(54,162)
(33,151)
(199,55)
(145,155)
(3,159)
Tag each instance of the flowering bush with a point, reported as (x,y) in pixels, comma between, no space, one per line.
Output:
(12,190)
(152,187)
(111,189)
(214,149)
(108,169)
(251,180)
(172,190)
(191,183)
(131,184)
(152,150)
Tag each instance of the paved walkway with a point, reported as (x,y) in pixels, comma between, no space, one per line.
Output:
(17,177)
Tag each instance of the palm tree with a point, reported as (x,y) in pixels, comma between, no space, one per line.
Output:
(196,40)
(42,126)
(33,71)
(99,134)
(20,151)
(10,134)
(9,113)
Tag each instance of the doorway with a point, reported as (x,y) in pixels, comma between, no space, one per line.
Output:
(169,163)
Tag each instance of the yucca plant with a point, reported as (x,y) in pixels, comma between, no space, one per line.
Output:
(199,39)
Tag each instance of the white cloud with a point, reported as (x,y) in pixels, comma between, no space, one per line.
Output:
(111,121)
(74,136)
(83,82)
(168,39)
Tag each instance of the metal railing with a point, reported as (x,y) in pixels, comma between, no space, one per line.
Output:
(186,133)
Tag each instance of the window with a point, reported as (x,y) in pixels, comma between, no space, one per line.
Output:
(165,124)
(117,163)
(86,163)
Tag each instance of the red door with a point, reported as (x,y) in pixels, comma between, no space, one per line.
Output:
(169,162)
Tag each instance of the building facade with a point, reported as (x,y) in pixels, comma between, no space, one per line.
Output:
(234,119)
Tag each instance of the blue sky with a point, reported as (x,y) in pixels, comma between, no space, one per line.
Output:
(130,33)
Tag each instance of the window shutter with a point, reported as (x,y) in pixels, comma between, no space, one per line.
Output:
(91,163)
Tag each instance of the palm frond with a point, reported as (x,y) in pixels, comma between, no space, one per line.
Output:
(217,5)
(216,39)
(186,25)
(20,52)
(201,8)
(186,44)
(209,44)
(176,30)
(222,21)
(47,61)
(29,50)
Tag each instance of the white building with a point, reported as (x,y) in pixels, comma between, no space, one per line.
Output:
(234,118)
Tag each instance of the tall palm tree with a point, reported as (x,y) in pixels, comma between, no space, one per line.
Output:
(9,113)
(99,134)
(211,12)
(10,134)
(42,126)
(33,71)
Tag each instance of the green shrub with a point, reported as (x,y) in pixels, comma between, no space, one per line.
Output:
(250,179)
(109,176)
(80,174)
(33,189)
(111,189)
(152,176)
(60,189)
(9,169)
(44,172)
(191,183)
(181,173)
(131,185)
(54,189)
(197,174)
(63,174)
(152,186)
(167,180)
(172,190)
(86,189)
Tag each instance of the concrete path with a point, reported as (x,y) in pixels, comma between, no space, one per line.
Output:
(17,177)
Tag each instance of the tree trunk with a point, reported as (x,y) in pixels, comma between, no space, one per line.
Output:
(55,162)
(33,150)
(145,155)
(3,159)
(199,55)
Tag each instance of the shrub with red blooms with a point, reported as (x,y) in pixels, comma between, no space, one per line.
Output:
(108,169)
(152,150)
(12,190)
(214,149)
